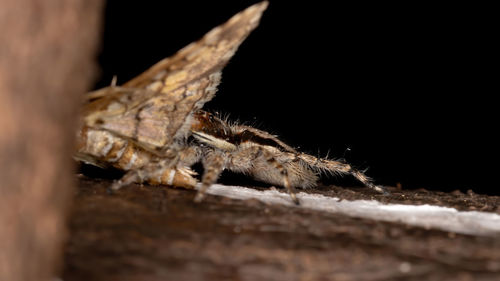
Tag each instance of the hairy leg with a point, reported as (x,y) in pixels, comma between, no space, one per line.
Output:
(337,167)
(213,165)
(255,160)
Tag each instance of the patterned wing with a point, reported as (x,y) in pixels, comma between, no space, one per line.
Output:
(154,108)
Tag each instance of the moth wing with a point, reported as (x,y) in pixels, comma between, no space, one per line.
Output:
(155,119)
(198,59)
(153,108)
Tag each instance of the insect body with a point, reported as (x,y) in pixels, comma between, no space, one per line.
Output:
(153,127)
(261,155)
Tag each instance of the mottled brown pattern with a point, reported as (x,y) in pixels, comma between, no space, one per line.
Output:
(159,114)
(151,114)
(152,108)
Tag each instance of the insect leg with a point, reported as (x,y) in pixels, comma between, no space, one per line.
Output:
(170,170)
(253,154)
(283,172)
(158,173)
(128,178)
(213,165)
(333,166)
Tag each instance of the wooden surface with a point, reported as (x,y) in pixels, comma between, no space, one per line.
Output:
(158,233)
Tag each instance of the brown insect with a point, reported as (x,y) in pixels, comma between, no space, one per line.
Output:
(153,127)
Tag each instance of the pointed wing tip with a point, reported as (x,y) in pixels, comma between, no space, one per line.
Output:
(249,16)
(261,6)
(255,11)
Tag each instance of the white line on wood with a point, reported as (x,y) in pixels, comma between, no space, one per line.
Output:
(427,216)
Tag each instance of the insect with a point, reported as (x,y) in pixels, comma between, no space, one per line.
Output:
(153,127)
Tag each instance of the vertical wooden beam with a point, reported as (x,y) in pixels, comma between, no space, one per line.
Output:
(47,61)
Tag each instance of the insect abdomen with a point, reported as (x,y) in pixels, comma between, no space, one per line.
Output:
(108,148)
(99,146)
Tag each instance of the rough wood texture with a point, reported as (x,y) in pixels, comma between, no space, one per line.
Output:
(158,233)
(47,55)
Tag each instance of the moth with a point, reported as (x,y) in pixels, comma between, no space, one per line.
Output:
(153,126)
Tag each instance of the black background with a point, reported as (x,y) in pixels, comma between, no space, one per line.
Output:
(401,89)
